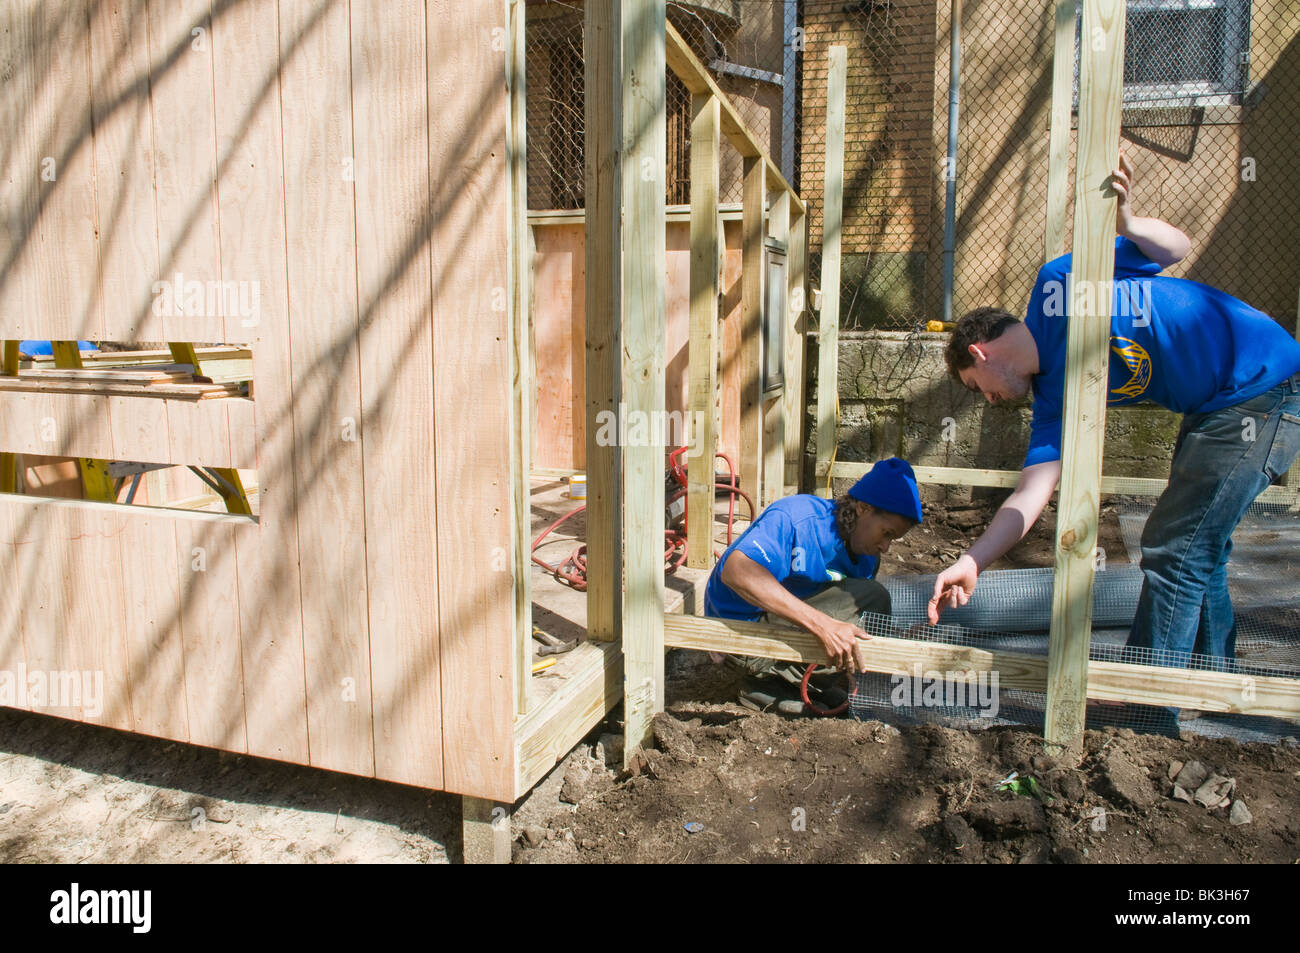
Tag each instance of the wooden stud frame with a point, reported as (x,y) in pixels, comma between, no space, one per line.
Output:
(1101,86)
(828,337)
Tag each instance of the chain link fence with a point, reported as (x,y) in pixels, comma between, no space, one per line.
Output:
(1212,102)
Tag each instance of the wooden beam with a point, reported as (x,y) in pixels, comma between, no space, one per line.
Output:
(832,218)
(1058,153)
(702,360)
(485,831)
(793,396)
(604,295)
(774,419)
(688,68)
(593,686)
(626,273)
(751,329)
(521,350)
(644,94)
(957,476)
(1107,681)
(1101,88)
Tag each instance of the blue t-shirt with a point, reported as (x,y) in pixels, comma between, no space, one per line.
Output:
(796,540)
(1178,343)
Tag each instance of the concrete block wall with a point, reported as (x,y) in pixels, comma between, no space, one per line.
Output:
(896,399)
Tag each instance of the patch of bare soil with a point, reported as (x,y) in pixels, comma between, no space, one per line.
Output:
(949,530)
(725,785)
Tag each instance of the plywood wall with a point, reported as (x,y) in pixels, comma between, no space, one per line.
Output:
(348,159)
(559,332)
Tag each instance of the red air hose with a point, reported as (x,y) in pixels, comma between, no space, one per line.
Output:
(573,569)
(818,708)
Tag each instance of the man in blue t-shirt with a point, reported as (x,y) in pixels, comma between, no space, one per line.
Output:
(1232,371)
(812,562)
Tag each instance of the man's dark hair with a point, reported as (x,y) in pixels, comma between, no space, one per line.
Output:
(974,327)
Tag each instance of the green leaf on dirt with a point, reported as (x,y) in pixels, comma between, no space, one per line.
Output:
(1029,787)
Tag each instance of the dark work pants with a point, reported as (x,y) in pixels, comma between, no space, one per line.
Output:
(845,600)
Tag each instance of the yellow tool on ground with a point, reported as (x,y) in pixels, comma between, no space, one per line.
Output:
(940,325)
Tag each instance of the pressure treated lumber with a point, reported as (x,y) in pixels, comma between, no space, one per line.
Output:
(1101,87)
(604,288)
(641,305)
(958,476)
(485,831)
(702,357)
(832,219)
(774,418)
(593,686)
(1107,681)
(1058,150)
(796,304)
(750,356)
(697,80)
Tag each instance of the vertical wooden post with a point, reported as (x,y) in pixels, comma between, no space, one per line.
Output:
(828,338)
(10,471)
(753,232)
(796,303)
(627,269)
(703,355)
(774,422)
(645,268)
(602,56)
(1101,87)
(1059,138)
(520,269)
(485,831)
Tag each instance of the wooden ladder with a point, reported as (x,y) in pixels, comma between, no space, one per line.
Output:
(96,480)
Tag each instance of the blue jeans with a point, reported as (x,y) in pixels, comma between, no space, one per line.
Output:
(1222,461)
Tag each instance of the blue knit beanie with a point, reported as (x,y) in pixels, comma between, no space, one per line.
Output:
(890,485)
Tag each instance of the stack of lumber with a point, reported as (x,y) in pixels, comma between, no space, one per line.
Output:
(174,381)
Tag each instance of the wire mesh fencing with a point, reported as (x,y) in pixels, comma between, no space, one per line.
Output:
(1212,99)
(960,696)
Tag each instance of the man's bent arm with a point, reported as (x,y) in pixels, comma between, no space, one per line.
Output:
(757,586)
(1161,242)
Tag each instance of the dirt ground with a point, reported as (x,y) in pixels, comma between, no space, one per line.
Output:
(949,530)
(726,785)
(861,791)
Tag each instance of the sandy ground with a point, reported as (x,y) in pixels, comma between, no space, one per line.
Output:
(73,793)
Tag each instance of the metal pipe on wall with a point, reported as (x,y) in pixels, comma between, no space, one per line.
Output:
(950,162)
